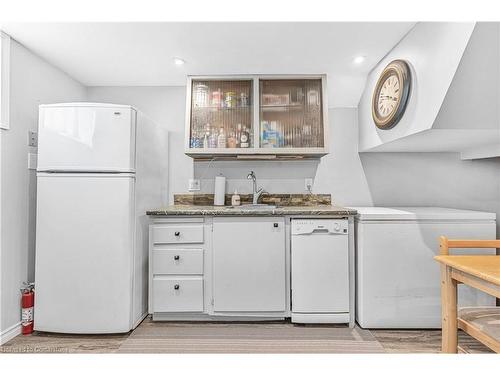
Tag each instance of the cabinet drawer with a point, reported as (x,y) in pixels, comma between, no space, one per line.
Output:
(178,295)
(171,234)
(178,261)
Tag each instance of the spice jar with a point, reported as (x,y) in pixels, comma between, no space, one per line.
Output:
(231,100)
(201,96)
(217,98)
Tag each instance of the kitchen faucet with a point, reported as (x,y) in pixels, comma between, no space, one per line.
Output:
(256,192)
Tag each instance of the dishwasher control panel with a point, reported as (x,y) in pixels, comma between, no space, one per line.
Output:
(310,226)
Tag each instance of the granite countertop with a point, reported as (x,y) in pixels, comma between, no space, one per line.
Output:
(196,210)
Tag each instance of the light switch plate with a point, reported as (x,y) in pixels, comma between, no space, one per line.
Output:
(32,138)
(308,184)
(194,184)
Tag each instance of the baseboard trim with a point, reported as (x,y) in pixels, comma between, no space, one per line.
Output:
(10,333)
(202,317)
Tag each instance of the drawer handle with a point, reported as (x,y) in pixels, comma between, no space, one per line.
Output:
(176,286)
(176,257)
(275,225)
(177,234)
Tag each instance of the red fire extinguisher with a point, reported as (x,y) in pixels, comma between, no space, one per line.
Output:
(27,304)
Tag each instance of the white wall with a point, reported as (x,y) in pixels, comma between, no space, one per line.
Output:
(434,51)
(32,82)
(473,96)
(370,179)
(340,173)
(433,179)
(471,100)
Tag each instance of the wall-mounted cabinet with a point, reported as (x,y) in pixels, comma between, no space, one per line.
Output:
(256,117)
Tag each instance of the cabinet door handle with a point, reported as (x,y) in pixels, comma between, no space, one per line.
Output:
(176,286)
(275,225)
(176,257)
(177,234)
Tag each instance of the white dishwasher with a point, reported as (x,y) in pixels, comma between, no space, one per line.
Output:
(320,271)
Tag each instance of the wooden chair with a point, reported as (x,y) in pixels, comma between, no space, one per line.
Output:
(445,244)
(482,323)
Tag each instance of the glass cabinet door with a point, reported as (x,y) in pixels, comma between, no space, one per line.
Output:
(221,115)
(291,113)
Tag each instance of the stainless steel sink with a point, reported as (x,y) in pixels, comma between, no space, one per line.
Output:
(254,207)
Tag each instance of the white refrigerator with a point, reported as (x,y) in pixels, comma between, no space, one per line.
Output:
(100,166)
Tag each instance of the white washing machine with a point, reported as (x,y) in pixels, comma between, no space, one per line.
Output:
(398,281)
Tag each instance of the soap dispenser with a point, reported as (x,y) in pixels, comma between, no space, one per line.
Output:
(235,199)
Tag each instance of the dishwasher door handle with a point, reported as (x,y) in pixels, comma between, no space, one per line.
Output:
(317,232)
(320,231)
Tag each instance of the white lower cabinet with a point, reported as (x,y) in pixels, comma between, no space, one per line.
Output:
(245,267)
(249,270)
(205,268)
(174,294)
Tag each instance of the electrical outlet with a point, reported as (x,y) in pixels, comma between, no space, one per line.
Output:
(194,184)
(32,138)
(308,184)
(32,160)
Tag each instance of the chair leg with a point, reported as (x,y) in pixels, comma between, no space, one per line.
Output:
(448,311)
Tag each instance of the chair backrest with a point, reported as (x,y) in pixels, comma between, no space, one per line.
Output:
(445,244)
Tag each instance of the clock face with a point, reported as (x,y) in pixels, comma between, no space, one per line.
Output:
(391,94)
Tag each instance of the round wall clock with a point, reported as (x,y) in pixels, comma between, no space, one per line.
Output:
(391,94)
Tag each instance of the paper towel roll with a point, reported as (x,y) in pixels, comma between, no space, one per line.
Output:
(219,190)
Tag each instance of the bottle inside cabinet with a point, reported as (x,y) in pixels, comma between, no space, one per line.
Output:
(221,114)
(291,113)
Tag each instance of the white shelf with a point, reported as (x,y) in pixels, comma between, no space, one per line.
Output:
(486,151)
(218,108)
(439,140)
(256,153)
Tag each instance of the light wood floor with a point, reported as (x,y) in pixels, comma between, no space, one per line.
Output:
(276,337)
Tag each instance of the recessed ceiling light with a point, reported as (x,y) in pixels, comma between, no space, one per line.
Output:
(359,59)
(179,61)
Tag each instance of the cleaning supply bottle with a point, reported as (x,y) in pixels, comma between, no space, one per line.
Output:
(221,139)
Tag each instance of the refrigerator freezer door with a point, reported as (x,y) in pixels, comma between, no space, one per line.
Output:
(84,253)
(86,138)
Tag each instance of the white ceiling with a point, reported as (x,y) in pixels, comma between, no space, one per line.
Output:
(141,54)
